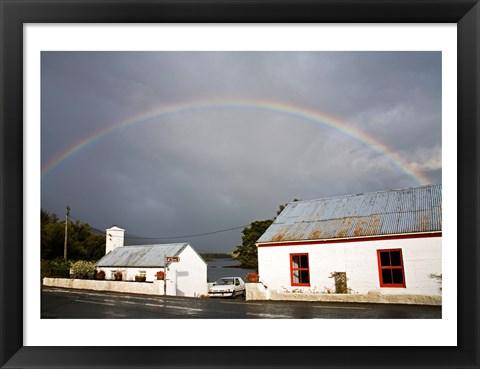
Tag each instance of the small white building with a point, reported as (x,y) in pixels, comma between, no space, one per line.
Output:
(185,271)
(387,242)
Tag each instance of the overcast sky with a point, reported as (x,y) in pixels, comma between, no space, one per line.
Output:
(227,137)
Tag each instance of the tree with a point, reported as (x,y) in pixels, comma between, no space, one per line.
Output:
(46,219)
(247,252)
(281,207)
(53,240)
(95,246)
(82,244)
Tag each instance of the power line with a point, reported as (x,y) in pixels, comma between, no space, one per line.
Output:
(170,237)
(191,235)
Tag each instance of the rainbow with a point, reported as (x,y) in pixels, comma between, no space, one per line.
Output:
(265,105)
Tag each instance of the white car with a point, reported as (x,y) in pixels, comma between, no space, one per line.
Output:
(227,287)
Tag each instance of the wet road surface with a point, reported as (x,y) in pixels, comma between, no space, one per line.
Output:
(60,303)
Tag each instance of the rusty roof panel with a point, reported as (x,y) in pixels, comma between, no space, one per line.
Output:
(381,213)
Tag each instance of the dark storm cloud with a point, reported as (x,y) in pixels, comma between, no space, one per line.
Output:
(204,170)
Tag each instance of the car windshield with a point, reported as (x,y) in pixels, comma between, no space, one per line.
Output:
(224,281)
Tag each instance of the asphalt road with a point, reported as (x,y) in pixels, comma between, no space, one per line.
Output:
(79,304)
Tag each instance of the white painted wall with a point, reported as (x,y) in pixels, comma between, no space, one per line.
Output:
(114,238)
(130,273)
(421,257)
(190,274)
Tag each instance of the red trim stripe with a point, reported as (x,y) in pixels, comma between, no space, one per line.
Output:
(358,239)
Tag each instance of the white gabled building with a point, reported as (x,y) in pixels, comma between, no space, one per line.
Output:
(184,269)
(387,242)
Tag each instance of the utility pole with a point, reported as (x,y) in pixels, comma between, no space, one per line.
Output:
(67,211)
(165,275)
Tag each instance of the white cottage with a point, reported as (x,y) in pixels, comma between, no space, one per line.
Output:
(183,269)
(387,242)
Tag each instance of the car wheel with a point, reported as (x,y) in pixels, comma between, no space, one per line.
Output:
(234,294)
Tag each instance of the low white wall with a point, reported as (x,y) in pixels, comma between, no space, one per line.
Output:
(257,291)
(254,291)
(155,288)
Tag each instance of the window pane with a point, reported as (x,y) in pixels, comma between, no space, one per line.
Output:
(397,276)
(295,261)
(385,258)
(296,276)
(386,276)
(395,257)
(304,261)
(304,276)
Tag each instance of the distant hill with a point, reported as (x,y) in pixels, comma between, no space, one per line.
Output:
(214,255)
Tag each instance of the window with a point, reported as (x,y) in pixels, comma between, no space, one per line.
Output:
(299,272)
(390,268)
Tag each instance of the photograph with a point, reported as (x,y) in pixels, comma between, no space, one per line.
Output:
(297,184)
(239,184)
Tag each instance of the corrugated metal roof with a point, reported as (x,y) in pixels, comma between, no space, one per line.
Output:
(148,256)
(392,212)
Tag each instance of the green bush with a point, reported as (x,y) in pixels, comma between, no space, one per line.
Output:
(83,270)
(56,268)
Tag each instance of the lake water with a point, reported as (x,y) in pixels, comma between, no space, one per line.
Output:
(219,268)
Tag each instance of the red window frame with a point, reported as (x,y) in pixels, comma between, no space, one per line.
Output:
(392,268)
(300,268)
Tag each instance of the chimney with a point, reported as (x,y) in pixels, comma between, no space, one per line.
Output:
(114,238)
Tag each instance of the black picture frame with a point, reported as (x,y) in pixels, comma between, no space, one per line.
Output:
(15,13)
